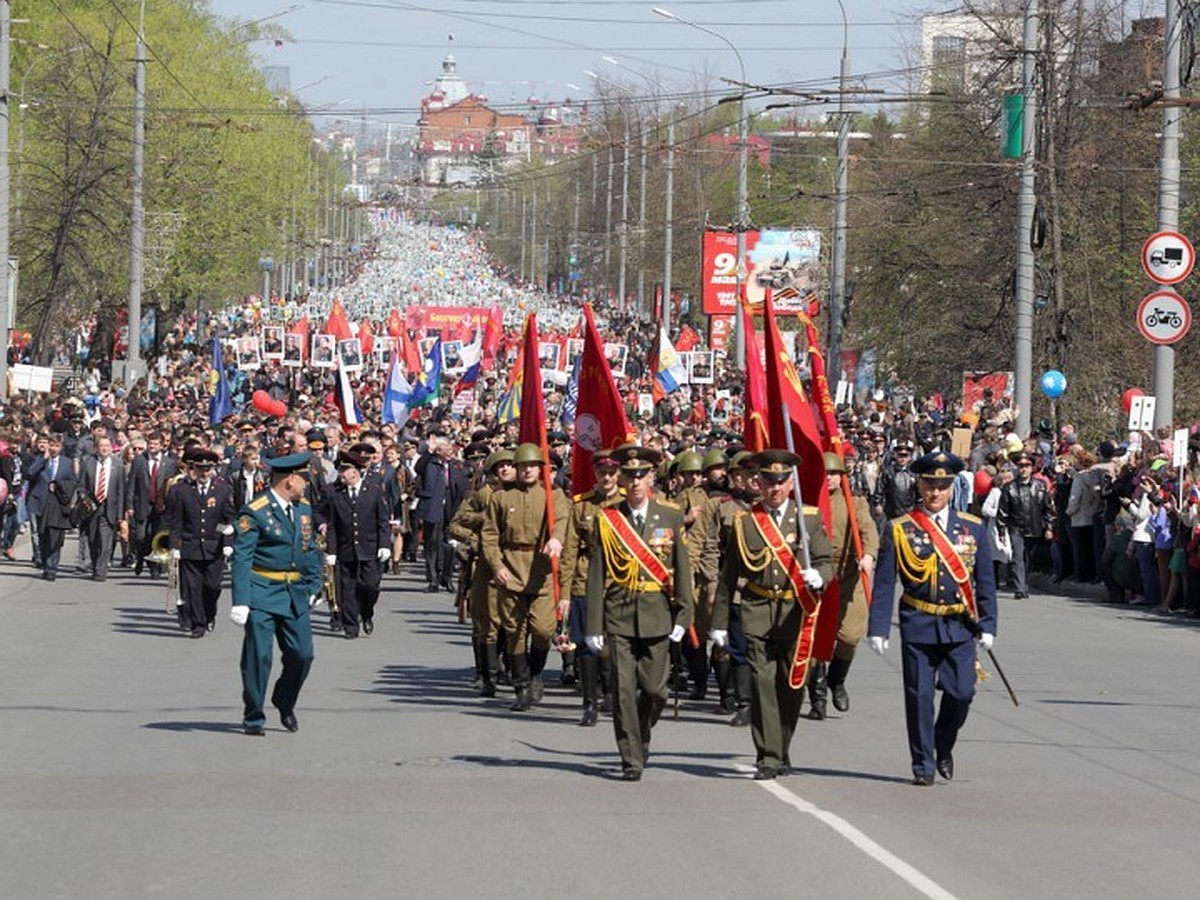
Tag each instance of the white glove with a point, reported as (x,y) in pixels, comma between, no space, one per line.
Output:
(330,559)
(676,634)
(878,644)
(225,529)
(813,579)
(314,600)
(453,544)
(986,640)
(595,642)
(384,554)
(175,554)
(719,637)
(239,615)
(227,550)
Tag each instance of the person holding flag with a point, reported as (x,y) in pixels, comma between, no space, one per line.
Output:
(764,574)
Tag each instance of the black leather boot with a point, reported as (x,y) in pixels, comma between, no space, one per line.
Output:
(723,666)
(491,669)
(606,684)
(570,674)
(697,665)
(589,682)
(836,679)
(480,663)
(536,660)
(817,691)
(743,682)
(520,677)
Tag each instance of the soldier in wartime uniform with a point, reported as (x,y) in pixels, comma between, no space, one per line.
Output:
(276,574)
(356,541)
(764,559)
(639,599)
(199,515)
(734,679)
(519,548)
(483,603)
(573,571)
(852,620)
(942,559)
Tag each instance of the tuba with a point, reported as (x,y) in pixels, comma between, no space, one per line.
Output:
(160,555)
(328,578)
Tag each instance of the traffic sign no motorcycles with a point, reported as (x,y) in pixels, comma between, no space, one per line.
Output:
(1168,257)
(1163,317)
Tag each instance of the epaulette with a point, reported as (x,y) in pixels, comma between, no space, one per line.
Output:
(741,513)
(262,501)
(811,510)
(578,498)
(970,517)
(670,504)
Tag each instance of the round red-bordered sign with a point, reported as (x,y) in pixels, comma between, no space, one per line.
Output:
(1163,317)
(1168,257)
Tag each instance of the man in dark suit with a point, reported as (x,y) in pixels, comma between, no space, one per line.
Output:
(357,538)
(161,467)
(54,482)
(138,487)
(943,561)
(103,477)
(36,492)
(200,516)
(442,487)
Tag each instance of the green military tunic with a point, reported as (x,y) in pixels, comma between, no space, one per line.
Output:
(466,527)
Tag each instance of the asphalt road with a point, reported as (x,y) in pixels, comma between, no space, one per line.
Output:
(124,772)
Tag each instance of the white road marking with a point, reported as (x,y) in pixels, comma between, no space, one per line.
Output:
(914,877)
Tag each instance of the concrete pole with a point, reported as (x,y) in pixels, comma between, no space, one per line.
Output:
(137,231)
(1163,379)
(533,253)
(523,208)
(5,299)
(623,245)
(837,299)
(608,223)
(643,310)
(669,233)
(1026,198)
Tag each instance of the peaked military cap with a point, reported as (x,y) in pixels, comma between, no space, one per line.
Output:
(603,457)
(293,462)
(316,438)
(201,458)
(939,467)
(743,460)
(350,459)
(475,450)
(775,465)
(636,460)
(362,448)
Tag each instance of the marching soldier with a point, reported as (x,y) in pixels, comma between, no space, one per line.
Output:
(852,622)
(700,502)
(276,574)
(356,541)
(776,599)
(573,573)
(484,600)
(734,680)
(639,600)
(519,548)
(942,559)
(199,515)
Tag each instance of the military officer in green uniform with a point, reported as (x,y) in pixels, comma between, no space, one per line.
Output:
(639,600)
(766,543)
(520,549)
(276,572)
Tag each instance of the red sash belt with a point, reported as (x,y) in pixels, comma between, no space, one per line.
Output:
(949,556)
(636,546)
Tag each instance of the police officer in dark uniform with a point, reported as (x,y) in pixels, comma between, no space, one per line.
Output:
(639,600)
(357,539)
(200,517)
(276,575)
(942,560)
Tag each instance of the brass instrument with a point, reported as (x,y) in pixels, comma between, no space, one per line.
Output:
(160,555)
(328,578)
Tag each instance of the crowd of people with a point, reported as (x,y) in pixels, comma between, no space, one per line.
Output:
(144,478)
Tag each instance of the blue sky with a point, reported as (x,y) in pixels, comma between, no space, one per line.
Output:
(379,54)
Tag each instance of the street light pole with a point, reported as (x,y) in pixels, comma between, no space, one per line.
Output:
(837,298)
(137,236)
(741,215)
(5,109)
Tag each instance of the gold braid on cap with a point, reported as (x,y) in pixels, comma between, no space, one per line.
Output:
(754,562)
(621,564)
(914,569)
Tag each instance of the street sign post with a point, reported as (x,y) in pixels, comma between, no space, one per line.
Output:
(1168,257)
(1163,317)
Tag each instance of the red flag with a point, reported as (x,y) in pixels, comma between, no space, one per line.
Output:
(492,333)
(395,324)
(754,424)
(688,338)
(410,354)
(820,381)
(600,420)
(337,324)
(533,405)
(366,338)
(301,328)
(784,389)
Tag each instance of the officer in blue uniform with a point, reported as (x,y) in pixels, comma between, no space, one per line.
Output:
(276,573)
(941,615)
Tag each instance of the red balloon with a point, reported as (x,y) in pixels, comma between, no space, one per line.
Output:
(983,483)
(1127,398)
(263,403)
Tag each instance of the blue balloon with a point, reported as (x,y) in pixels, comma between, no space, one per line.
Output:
(1054,384)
